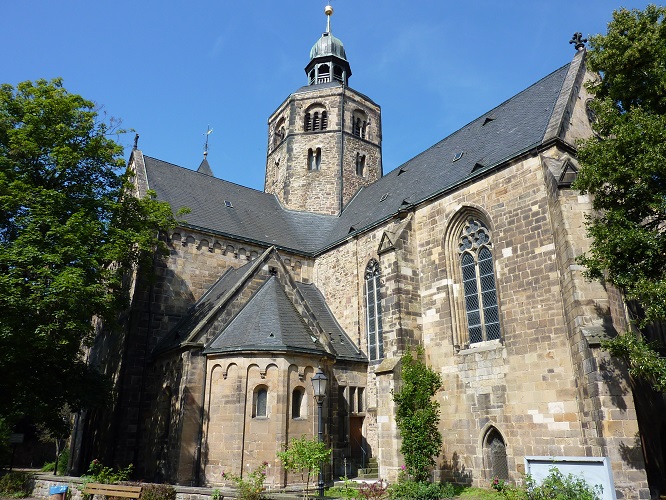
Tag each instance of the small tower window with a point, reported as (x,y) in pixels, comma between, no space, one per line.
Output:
(315,119)
(324,74)
(360,164)
(337,74)
(314,159)
(278,132)
(359,124)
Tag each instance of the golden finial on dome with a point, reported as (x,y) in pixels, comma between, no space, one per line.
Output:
(328,10)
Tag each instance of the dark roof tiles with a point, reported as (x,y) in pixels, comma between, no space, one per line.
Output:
(512,128)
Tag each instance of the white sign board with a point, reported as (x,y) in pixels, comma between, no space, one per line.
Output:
(595,471)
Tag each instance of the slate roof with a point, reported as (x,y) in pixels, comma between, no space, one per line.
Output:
(253,215)
(512,128)
(344,347)
(508,130)
(268,322)
(203,307)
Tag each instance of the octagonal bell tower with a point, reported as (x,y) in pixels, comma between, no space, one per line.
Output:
(324,141)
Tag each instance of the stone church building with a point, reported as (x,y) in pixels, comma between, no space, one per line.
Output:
(468,250)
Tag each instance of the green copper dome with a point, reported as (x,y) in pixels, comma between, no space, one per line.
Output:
(328,45)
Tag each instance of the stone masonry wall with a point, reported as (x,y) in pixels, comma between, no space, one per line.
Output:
(606,406)
(524,386)
(288,174)
(195,262)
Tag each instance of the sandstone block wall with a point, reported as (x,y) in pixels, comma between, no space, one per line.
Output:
(288,173)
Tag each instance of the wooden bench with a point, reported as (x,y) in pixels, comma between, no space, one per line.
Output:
(112,490)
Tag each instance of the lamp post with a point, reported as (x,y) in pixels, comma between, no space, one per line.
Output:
(319,381)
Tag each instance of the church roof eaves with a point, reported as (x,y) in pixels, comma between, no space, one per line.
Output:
(256,216)
(518,127)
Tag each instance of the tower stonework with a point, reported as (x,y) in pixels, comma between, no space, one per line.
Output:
(324,140)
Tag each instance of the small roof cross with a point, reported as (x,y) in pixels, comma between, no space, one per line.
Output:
(578,39)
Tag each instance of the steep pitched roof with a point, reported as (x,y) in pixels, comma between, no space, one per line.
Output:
(518,125)
(186,329)
(268,322)
(340,341)
(512,128)
(230,209)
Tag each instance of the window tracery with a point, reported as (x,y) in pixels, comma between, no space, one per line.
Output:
(478,275)
(373,310)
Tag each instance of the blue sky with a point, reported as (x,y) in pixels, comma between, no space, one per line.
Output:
(170,68)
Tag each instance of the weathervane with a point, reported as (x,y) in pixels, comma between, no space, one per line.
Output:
(578,40)
(208,132)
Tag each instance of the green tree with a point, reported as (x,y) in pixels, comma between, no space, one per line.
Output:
(305,456)
(624,168)
(417,415)
(70,233)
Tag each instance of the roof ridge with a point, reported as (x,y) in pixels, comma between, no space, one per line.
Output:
(206,175)
(460,129)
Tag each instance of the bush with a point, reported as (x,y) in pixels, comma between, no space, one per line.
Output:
(97,473)
(250,487)
(62,464)
(557,486)
(374,491)
(408,489)
(349,490)
(158,492)
(16,484)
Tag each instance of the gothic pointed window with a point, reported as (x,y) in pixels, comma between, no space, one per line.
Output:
(478,276)
(373,310)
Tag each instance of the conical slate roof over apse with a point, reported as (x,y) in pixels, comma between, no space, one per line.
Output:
(268,322)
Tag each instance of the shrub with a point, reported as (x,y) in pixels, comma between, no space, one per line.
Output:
(16,484)
(408,489)
(349,490)
(557,486)
(417,415)
(306,455)
(158,492)
(63,459)
(97,473)
(374,491)
(251,487)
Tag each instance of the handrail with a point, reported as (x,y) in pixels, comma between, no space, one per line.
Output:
(365,453)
